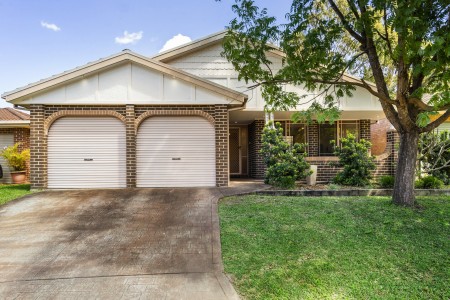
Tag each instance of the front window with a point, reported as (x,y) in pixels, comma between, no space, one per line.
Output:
(294,132)
(334,132)
(327,133)
(346,127)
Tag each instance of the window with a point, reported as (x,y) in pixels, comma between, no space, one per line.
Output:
(297,132)
(346,127)
(334,132)
(294,132)
(327,133)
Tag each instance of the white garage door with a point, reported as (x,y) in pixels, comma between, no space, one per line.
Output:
(87,152)
(5,141)
(176,152)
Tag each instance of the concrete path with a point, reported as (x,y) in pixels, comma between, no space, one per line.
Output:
(115,244)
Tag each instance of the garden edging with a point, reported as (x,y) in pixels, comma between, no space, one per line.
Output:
(340,193)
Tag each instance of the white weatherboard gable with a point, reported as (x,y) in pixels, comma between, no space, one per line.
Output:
(209,64)
(128,83)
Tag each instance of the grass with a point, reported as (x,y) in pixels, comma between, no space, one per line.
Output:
(10,192)
(336,248)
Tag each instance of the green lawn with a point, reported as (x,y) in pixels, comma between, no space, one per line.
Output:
(10,192)
(336,247)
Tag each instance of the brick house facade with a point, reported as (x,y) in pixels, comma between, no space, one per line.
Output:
(192,80)
(41,114)
(385,160)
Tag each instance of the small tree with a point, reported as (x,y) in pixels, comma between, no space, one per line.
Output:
(434,155)
(285,163)
(357,162)
(16,160)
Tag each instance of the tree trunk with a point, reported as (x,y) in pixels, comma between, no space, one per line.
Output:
(405,173)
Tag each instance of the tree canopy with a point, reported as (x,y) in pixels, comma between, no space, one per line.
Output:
(403,47)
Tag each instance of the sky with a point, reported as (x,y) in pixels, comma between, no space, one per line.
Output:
(40,38)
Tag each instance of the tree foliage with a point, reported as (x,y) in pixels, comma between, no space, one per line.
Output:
(332,47)
(285,163)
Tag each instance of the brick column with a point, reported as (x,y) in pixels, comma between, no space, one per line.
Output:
(393,142)
(256,162)
(38,147)
(221,128)
(131,146)
(364,129)
(313,139)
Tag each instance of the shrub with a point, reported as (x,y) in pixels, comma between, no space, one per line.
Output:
(387,182)
(357,162)
(429,182)
(285,163)
(16,160)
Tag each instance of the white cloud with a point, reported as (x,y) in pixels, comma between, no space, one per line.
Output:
(129,38)
(50,26)
(176,41)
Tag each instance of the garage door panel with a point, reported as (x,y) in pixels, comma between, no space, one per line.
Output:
(87,152)
(188,139)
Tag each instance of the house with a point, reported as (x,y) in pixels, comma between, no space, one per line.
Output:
(14,128)
(179,118)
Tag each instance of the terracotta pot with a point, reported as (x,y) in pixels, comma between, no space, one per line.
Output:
(18,177)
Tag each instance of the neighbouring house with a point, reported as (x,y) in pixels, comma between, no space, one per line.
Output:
(180,118)
(14,128)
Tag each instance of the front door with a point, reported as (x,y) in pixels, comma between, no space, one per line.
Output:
(235,151)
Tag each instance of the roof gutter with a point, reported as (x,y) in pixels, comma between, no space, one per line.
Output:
(240,107)
(14,123)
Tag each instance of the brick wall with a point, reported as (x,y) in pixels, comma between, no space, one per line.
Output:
(38,147)
(257,167)
(313,139)
(221,127)
(131,146)
(129,113)
(326,171)
(378,133)
(364,130)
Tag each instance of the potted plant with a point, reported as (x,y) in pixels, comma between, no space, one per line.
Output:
(17,162)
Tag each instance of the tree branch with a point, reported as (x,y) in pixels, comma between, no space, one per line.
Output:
(436,122)
(353,9)
(344,21)
(425,107)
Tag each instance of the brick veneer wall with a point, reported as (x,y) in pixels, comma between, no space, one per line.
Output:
(257,167)
(378,133)
(364,129)
(326,171)
(313,139)
(38,141)
(22,136)
(38,147)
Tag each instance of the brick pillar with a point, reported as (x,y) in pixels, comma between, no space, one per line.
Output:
(364,129)
(313,139)
(38,147)
(393,142)
(221,129)
(256,162)
(131,146)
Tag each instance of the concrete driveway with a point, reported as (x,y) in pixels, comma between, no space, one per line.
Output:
(114,244)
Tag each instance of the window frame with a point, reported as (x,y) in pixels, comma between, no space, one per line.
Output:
(339,133)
